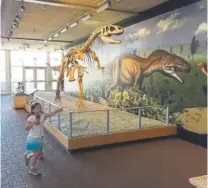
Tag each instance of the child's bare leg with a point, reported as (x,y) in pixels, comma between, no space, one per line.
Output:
(34,159)
(41,155)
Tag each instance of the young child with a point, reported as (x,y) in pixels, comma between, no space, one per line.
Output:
(34,144)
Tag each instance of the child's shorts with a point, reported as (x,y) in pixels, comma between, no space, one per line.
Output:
(34,144)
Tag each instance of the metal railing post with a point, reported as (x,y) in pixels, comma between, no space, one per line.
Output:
(70,125)
(49,110)
(167,116)
(108,121)
(59,120)
(140,117)
(42,104)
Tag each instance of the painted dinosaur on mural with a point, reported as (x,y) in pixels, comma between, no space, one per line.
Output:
(71,61)
(203,68)
(130,70)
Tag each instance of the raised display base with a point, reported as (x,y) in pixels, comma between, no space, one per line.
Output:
(194,129)
(113,138)
(195,138)
(89,124)
(20,102)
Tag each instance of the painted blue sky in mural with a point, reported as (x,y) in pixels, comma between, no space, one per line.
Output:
(170,29)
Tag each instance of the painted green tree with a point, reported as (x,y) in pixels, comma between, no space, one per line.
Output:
(194,47)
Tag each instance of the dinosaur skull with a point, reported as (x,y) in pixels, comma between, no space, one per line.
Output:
(174,65)
(109,30)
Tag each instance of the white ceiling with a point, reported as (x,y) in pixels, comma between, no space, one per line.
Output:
(39,21)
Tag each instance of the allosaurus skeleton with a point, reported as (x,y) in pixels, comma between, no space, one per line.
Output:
(70,62)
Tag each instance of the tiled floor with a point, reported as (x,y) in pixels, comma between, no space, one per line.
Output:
(159,164)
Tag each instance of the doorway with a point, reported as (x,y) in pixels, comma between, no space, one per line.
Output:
(35,77)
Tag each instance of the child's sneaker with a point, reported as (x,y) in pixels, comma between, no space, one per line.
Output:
(27,157)
(34,171)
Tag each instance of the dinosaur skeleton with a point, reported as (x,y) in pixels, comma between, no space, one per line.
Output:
(70,62)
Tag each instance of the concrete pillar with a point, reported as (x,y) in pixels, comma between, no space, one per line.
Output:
(8,71)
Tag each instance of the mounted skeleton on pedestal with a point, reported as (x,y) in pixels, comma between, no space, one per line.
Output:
(71,61)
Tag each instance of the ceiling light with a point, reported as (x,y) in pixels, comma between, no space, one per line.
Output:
(50,38)
(64,30)
(22,8)
(45,41)
(86,17)
(103,7)
(17,18)
(16,22)
(10,33)
(56,35)
(74,24)
(17,25)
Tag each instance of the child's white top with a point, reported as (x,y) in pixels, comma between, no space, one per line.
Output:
(36,131)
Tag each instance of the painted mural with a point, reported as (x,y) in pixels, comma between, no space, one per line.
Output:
(161,61)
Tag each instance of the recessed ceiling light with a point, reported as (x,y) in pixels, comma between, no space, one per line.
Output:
(17,25)
(14,25)
(86,17)
(45,41)
(103,7)
(16,22)
(17,18)
(50,38)
(22,8)
(64,30)
(74,24)
(56,35)
(10,33)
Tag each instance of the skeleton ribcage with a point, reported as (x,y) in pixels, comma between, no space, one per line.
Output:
(88,60)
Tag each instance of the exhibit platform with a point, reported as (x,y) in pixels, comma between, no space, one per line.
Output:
(97,125)
(194,129)
(22,98)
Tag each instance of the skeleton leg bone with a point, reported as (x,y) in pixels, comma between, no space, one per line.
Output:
(95,58)
(80,102)
(70,73)
(61,76)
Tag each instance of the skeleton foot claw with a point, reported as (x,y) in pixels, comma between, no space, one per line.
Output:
(80,104)
(101,68)
(57,98)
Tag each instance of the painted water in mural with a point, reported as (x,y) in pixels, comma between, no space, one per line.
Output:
(161,61)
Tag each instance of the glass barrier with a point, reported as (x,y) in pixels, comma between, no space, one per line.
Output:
(99,122)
